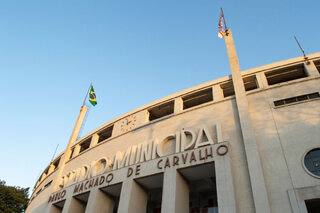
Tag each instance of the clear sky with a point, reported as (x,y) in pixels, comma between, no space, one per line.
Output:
(134,52)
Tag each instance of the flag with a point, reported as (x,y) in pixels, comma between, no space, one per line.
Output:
(92,97)
(220,27)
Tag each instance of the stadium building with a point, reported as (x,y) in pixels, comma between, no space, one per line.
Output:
(248,142)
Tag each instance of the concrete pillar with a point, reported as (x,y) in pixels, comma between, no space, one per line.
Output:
(178,105)
(262,80)
(311,69)
(94,140)
(37,184)
(258,186)
(219,132)
(76,150)
(293,201)
(51,168)
(225,190)
(217,92)
(175,193)
(133,198)
(99,202)
(67,151)
(43,176)
(72,205)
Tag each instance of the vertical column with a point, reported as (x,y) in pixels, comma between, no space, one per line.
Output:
(133,198)
(225,191)
(217,92)
(76,150)
(178,105)
(175,194)
(293,201)
(259,191)
(261,79)
(94,140)
(67,152)
(73,205)
(51,168)
(311,69)
(99,202)
(43,176)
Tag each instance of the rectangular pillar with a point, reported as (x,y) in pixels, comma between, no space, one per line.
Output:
(76,150)
(293,201)
(99,202)
(175,194)
(258,186)
(94,140)
(73,138)
(225,191)
(178,105)
(261,80)
(51,168)
(43,176)
(133,198)
(217,93)
(311,69)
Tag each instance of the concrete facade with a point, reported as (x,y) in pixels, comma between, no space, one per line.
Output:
(209,148)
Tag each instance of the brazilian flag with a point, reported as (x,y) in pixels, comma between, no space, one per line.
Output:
(92,97)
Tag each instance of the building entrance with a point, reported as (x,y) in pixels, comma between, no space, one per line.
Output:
(153,187)
(202,188)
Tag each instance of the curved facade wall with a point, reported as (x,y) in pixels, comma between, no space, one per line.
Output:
(185,152)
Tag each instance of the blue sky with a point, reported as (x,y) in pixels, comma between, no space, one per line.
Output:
(134,52)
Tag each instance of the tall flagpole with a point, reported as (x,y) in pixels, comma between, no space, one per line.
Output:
(259,191)
(302,50)
(224,21)
(87,94)
(54,152)
(65,157)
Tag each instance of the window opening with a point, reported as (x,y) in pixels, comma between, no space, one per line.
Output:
(38,182)
(85,145)
(46,171)
(286,74)
(197,98)
(202,188)
(38,192)
(250,83)
(161,110)
(153,187)
(227,89)
(48,184)
(317,64)
(56,163)
(313,205)
(296,99)
(105,134)
(312,162)
(113,192)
